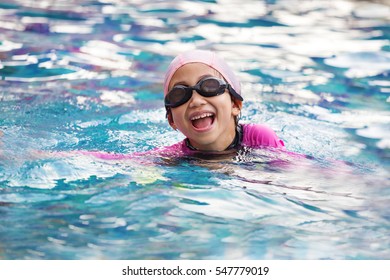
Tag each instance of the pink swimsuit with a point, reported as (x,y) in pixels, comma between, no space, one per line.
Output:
(253,136)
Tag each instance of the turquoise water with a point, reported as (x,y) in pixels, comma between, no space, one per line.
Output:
(87,75)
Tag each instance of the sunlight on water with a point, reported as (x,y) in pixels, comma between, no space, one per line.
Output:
(79,76)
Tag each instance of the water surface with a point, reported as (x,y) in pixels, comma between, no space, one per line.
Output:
(87,75)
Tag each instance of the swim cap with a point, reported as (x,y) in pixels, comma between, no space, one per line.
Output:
(206,57)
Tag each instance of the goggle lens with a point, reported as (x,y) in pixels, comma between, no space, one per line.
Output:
(207,87)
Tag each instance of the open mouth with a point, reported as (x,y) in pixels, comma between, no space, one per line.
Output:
(202,121)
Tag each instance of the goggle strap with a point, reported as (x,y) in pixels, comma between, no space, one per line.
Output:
(234,93)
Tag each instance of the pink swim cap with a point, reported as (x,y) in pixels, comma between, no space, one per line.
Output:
(206,57)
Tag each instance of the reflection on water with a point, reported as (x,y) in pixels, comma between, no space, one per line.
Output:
(87,75)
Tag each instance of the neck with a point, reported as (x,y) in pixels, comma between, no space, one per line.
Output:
(231,143)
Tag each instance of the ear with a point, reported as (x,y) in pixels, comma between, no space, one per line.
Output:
(236,109)
(170,120)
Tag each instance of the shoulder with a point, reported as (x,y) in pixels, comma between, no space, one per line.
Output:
(260,135)
(176,150)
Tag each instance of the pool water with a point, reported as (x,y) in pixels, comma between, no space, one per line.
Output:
(87,76)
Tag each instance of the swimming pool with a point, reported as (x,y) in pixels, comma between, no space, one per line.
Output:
(87,75)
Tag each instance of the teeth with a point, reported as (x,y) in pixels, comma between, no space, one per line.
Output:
(204,115)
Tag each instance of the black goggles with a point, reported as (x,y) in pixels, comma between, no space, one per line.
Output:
(207,87)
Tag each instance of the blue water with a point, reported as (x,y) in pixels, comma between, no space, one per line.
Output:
(87,75)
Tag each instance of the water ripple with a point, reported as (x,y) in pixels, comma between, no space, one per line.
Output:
(87,75)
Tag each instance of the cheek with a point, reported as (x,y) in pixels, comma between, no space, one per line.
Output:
(177,115)
(227,104)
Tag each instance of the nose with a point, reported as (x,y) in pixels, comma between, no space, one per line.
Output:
(197,100)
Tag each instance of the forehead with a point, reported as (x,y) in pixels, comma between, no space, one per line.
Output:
(191,72)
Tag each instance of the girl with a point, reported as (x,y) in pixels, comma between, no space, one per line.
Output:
(203,101)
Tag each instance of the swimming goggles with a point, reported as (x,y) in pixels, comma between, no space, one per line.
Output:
(207,87)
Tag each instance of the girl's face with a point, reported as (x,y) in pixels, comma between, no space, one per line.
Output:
(208,122)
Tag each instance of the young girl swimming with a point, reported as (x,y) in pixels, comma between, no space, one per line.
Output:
(203,100)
